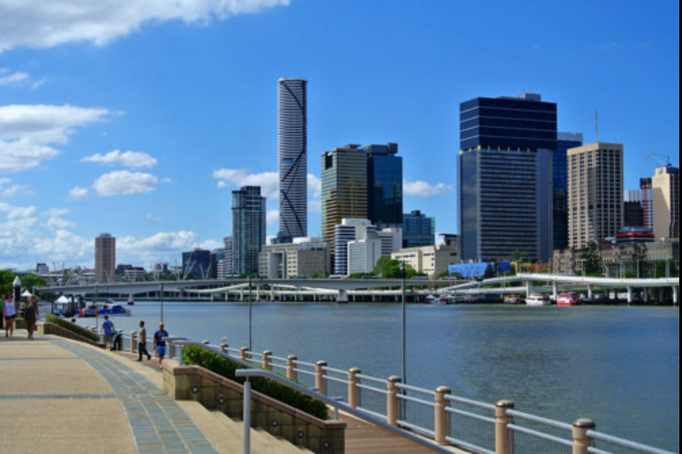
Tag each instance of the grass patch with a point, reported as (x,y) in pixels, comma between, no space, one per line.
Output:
(201,356)
(72,327)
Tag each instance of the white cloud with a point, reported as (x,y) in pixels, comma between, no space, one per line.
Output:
(160,247)
(78,193)
(27,132)
(314,187)
(268,181)
(13,79)
(7,190)
(131,159)
(124,183)
(55,221)
(423,189)
(47,24)
(272,217)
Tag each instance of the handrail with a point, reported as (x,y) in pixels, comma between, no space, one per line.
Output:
(340,405)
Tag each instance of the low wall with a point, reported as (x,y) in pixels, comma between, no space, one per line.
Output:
(218,393)
(51,328)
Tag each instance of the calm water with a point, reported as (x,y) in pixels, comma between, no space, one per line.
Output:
(616,365)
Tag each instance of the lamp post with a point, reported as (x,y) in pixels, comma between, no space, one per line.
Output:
(250,314)
(402,268)
(161,294)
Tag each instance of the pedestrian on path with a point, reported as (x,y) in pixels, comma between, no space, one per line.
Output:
(142,343)
(107,329)
(9,312)
(160,343)
(31,315)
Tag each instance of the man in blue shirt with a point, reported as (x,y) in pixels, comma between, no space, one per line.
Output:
(107,329)
(159,344)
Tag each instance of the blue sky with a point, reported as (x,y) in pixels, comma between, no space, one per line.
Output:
(139,117)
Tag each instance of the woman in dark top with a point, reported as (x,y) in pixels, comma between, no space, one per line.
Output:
(31,316)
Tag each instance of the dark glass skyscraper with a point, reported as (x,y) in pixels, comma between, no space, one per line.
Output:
(384,185)
(505,177)
(565,141)
(248,229)
(293,157)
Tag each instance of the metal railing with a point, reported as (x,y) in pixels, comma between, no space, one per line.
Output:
(433,417)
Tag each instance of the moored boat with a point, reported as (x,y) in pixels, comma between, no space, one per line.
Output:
(538,300)
(569,299)
(513,299)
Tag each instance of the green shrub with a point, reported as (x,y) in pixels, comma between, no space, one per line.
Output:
(72,327)
(201,356)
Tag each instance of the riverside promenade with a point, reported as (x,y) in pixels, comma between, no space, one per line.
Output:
(62,396)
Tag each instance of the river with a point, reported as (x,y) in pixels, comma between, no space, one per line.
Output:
(617,365)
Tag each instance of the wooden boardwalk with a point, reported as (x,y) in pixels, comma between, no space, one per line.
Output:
(363,437)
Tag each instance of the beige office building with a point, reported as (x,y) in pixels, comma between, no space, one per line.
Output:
(595,193)
(105,258)
(665,195)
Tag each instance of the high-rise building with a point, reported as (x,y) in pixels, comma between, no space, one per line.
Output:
(565,141)
(595,193)
(643,198)
(293,157)
(248,229)
(418,229)
(105,258)
(345,232)
(384,185)
(505,177)
(196,264)
(344,189)
(665,189)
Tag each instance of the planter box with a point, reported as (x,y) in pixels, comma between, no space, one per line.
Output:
(218,393)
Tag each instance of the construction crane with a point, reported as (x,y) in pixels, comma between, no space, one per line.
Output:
(657,158)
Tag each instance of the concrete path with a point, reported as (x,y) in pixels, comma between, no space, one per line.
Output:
(59,396)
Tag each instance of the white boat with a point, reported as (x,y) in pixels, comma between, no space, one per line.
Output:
(538,300)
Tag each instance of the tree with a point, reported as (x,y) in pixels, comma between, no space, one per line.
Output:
(591,258)
(490,271)
(640,255)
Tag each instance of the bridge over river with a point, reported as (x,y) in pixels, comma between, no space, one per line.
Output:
(391,289)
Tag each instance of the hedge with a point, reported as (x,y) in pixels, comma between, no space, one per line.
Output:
(210,360)
(72,327)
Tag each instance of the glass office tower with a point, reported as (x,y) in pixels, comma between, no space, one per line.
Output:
(505,177)
(565,140)
(293,157)
(384,185)
(248,229)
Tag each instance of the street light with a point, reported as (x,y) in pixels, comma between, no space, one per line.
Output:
(402,268)
(161,294)
(250,313)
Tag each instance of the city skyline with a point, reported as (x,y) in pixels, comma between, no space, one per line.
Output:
(140,122)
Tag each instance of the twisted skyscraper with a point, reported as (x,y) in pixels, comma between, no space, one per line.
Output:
(293,158)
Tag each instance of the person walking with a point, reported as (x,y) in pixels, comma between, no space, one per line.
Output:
(9,312)
(160,343)
(107,329)
(142,343)
(31,315)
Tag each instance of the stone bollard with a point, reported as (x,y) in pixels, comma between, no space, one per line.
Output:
(133,342)
(291,367)
(267,360)
(392,401)
(581,442)
(353,390)
(440,416)
(503,438)
(320,382)
(243,353)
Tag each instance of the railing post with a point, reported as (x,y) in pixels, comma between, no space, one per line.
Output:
(267,361)
(169,352)
(580,439)
(291,368)
(133,342)
(353,390)
(392,401)
(440,416)
(223,347)
(320,382)
(503,438)
(242,353)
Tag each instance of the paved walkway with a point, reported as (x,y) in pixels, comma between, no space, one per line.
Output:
(60,396)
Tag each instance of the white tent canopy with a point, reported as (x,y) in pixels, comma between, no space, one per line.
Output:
(26,294)
(63,299)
